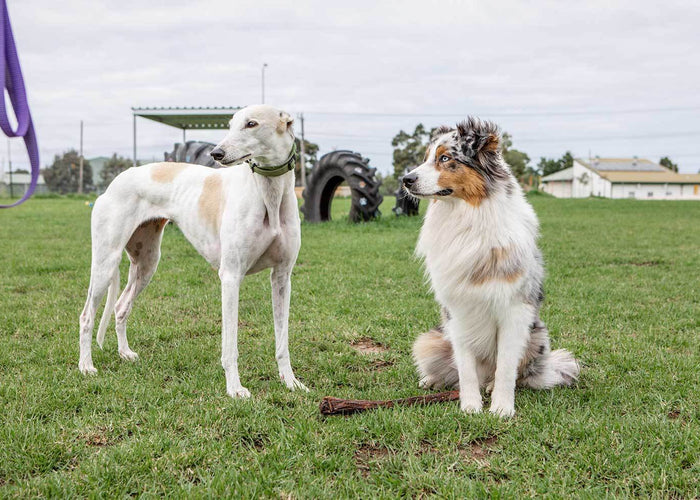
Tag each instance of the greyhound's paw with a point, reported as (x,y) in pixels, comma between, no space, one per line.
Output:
(128,355)
(240,393)
(87,369)
(292,382)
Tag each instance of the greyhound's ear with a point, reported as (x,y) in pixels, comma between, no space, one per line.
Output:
(285,122)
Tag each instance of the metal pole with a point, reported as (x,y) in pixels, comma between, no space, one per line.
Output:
(9,166)
(303,155)
(80,172)
(263,82)
(184,136)
(134,139)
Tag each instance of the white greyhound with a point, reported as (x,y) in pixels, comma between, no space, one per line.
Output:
(241,220)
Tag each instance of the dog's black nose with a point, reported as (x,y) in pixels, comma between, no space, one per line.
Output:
(217,153)
(409,179)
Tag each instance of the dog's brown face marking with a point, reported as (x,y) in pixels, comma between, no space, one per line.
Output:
(165,173)
(211,200)
(464,181)
(500,265)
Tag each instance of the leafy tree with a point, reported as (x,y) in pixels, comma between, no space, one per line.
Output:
(666,162)
(548,166)
(310,155)
(62,176)
(21,171)
(409,149)
(517,160)
(113,167)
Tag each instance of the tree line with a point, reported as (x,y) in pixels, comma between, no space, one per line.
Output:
(409,151)
(63,175)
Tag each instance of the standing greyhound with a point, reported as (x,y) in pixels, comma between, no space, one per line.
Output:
(241,220)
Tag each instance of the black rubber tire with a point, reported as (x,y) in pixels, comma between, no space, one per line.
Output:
(405,204)
(331,170)
(193,152)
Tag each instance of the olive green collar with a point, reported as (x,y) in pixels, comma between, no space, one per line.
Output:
(275,170)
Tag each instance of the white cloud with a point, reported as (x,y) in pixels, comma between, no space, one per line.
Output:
(94,60)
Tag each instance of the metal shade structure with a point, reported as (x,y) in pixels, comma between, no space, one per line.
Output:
(187,118)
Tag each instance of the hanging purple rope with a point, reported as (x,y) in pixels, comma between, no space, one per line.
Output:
(11,74)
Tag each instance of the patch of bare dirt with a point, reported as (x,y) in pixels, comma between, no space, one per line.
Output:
(366,345)
(380,364)
(479,449)
(367,455)
(101,436)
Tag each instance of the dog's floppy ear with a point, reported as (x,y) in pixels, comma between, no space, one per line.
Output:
(285,122)
(478,136)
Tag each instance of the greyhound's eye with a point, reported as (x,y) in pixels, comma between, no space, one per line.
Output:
(251,124)
(444,158)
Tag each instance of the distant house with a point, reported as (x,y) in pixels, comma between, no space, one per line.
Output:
(20,184)
(621,178)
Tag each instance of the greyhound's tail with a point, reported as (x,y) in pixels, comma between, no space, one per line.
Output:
(112,295)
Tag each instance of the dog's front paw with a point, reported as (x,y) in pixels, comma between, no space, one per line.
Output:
(87,368)
(128,355)
(470,404)
(240,393)
(502,406)
(503,411)
(292,382)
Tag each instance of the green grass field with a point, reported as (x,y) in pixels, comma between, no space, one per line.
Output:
(622,291)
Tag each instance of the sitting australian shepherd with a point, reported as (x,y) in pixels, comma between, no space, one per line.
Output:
(479,245)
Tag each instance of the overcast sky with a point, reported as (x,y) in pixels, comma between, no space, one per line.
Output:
(607,78)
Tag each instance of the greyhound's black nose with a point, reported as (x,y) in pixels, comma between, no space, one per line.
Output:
(409,179)
(217,153)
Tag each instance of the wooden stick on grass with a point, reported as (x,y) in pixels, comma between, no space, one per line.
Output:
(337,406)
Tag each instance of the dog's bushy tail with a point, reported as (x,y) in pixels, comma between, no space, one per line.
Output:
(543,368)
(112,296)
(434,359)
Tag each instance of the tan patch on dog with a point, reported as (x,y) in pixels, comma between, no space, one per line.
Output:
(211,200)
(492,144)
(165,172)
(464,182)
(500,265)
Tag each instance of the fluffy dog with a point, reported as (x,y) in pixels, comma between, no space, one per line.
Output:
(478,242)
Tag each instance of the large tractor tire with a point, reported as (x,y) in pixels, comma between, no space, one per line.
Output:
(332,169)
(193,152)
(405,203)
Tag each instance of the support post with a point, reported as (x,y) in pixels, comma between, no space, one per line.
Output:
(303,155)
(9,166)
(135,139)
(80,171)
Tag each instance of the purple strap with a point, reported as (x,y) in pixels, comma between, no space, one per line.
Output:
(11,74)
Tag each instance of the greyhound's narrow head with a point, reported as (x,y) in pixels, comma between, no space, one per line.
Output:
(260,132)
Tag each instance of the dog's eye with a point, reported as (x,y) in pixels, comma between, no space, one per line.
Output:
(444,158)
(251,124)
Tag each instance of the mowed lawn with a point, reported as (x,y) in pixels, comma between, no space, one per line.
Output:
(623,293)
